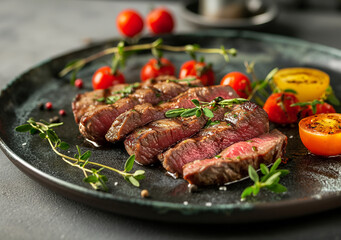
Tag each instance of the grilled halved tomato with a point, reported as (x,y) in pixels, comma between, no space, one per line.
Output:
(321,133)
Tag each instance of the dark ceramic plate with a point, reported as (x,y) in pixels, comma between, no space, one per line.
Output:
(314,183)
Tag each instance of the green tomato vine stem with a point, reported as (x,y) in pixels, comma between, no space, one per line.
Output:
(139,47)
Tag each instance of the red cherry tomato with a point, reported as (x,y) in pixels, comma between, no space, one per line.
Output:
(320,108)
(103,78)
(279,110)
(239,82)
(199,70)
(129,23)
(153,68)
(160,20)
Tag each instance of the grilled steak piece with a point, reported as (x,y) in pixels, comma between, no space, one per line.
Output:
(245,121)
(232,163)
(147,142)
(85,102)
(143,114)
(95,124)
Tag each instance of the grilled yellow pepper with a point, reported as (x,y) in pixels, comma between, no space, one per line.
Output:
(308,83)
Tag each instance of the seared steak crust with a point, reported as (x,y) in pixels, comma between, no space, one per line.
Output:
(143,114)
(95,124)
(147,142)
(88,101)
(232,163)
(245,121)
(85,102)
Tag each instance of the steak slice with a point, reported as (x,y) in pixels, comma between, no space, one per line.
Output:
(85,102)
(245,121)
(147,142)
(95,124)
(143,114)
(233,162)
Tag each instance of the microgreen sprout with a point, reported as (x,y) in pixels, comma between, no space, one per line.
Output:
(269,180)
(81,160)
(203,108)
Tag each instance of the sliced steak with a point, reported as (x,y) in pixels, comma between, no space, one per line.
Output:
(245,121)
(232,163)
(147,142)
(85,102)
(95,124)
(143,114)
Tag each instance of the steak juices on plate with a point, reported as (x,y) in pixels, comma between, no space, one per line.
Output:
(184,145)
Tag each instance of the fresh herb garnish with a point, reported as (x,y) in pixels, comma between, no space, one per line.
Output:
(80,160)
(203,107)
(259,86)
(305,104)
(269,180)
(117,95)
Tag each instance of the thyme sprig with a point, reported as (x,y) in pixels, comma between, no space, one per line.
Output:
(269,180)
(119,94)
(81,160)
(203,108)
(155,46)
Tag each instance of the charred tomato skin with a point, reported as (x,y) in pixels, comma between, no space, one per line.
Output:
(239,82)
(278,107)
(321,133)
(160,20)
(320,108)
(153,68)
(197,69)
(104,78)
(129,23)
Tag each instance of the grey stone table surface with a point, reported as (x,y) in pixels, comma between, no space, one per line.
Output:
(34,30)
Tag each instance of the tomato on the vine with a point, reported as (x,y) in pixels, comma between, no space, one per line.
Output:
(321,133)
(239,82)
(199,70)
(129,23)
(320,108)
(279,110)
(153,68)
(160,20)
(104,78)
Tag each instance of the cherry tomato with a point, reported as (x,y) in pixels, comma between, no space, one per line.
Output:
(239,82)
(129,23)
(308,83)
(199,70)
(103,78)
(320,108)
(160,20)
(278,108)
(153,68)
(321,133)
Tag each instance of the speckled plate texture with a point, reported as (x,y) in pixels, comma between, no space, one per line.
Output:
(314,183)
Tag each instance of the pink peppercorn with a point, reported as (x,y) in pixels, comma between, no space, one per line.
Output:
(62,112)
(48,105)
(79,83)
